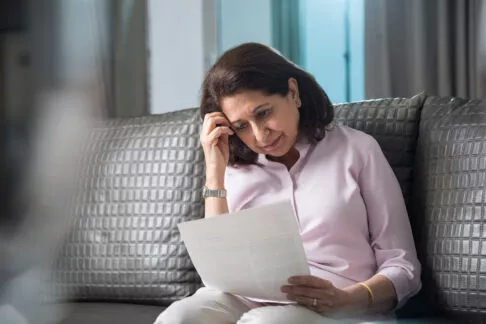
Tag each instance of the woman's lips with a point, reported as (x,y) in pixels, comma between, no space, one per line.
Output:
(273,145)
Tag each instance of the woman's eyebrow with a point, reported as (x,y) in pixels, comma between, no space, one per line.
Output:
(254,110)
(261,106)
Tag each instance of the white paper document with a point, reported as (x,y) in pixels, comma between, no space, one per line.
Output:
(249,253)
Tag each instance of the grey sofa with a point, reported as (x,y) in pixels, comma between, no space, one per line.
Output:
(124,262)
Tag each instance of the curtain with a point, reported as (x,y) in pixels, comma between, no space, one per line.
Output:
(129,75)
(482,41)
(424,45)
(285,29)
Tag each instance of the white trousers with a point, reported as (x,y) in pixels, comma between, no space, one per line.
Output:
(209,306)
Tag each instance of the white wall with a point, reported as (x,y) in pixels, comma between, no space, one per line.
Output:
(185,38)
(244,21)
(178,53)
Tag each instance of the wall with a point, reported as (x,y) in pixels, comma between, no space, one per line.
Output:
(356,20)
(323,45)
(244,21)
(178,54)
(186,36)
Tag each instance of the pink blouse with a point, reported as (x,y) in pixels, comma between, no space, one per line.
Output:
(348,204)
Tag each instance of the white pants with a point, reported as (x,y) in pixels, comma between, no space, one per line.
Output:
(209,306)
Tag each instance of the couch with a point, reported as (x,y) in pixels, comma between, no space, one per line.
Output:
(123,262)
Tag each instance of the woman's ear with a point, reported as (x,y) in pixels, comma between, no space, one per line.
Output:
(294,94)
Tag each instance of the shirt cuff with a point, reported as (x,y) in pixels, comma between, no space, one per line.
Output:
(405,285)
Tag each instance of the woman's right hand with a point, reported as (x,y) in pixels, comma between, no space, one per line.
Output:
(215,142)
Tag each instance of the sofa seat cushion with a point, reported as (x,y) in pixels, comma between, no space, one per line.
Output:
(109,313)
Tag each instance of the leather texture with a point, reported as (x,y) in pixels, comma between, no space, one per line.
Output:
(142,176)
(109,313)
(394,124)
(449,205)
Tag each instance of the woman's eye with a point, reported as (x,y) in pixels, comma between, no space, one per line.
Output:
(240,127)
(263,113)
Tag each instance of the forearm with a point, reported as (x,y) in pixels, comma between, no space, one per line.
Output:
(385,297)
(214,205)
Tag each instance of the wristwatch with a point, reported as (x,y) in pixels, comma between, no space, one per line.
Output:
(218,193)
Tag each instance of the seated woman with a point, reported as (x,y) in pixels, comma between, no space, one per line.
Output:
(268,136)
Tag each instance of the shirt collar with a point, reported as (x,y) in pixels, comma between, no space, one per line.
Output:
(301,145)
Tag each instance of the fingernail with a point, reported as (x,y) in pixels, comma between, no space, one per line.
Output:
(284,289)
(291,280)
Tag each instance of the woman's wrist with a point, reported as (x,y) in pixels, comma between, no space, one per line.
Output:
(214,183)
(214,178)
(359,299)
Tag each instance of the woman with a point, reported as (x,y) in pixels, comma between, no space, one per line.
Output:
(267,137)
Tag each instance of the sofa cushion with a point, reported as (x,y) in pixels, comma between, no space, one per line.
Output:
(141,177)
(449,204)
(394,124)
(109,313)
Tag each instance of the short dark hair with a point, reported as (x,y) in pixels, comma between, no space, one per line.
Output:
(253,66)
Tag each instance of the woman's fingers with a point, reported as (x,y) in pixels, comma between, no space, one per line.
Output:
(310,281)
(213,137)
(309,291)
(315,293)
(214,126)
(308,300)
(212,120)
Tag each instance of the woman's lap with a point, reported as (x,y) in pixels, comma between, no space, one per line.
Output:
(211,306)
(283,314)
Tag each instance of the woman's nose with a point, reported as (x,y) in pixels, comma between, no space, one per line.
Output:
(261,133)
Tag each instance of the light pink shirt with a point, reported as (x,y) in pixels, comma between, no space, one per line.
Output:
(349,206)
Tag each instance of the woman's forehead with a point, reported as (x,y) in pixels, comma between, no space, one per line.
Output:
(243,104)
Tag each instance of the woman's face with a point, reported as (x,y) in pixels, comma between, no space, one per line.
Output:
(266,124)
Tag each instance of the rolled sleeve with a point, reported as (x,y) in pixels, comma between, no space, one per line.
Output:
(390,231)
(405,284)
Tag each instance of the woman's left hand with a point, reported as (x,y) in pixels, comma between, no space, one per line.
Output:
(317,294)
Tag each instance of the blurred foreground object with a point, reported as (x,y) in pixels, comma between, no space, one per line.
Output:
(40,160)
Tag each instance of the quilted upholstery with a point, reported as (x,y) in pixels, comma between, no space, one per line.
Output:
(109,313)
(450,204)
(142,176)
(394,124)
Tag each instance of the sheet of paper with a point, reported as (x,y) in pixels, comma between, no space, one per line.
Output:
(249,253)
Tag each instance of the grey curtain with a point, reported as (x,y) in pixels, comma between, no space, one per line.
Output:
(424,45)
(116,30)
(286,29)
(129,70)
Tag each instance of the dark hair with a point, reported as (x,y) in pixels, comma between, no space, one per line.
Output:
(253,66)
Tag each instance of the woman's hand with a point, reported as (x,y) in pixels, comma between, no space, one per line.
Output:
(317,294)
(214,140)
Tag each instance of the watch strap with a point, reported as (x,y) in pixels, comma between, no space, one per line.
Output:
(217,193)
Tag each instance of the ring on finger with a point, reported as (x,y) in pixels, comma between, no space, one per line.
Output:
(314,302)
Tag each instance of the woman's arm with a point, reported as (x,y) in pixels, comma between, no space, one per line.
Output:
(323,297)
(384,296)
(214,140)
(389,228)
(397,274)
